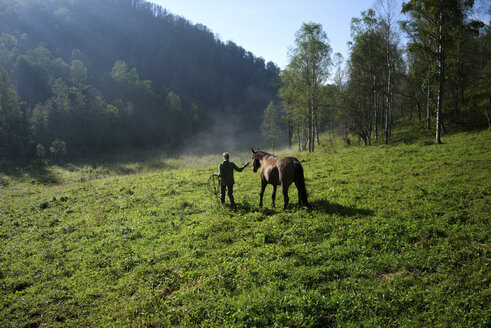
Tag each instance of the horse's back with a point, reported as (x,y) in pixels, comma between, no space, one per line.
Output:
(287,162)
(281,170)
(287,166)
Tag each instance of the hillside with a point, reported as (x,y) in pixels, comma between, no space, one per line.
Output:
(104,74)
(397,235)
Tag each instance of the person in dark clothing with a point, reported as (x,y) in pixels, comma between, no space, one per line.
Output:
(227,177)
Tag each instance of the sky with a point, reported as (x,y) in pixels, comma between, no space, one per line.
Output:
(267,27)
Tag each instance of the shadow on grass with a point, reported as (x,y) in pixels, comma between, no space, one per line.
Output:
(38,172)
(42,175)
(322,206)
(118,168)
(327,207)
(246,207)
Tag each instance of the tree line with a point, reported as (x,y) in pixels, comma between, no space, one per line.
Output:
(79,78)
(440,77)
(75,77)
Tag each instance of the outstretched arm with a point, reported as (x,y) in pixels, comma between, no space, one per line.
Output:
(239,169)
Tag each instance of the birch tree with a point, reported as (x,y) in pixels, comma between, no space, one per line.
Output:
(308,71)
(387,18)
(431,27)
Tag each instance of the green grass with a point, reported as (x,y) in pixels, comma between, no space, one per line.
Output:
(397,235)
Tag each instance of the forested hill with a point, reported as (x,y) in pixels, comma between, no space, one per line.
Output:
(101,74)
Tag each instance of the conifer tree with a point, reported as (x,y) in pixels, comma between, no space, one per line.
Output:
(14,135)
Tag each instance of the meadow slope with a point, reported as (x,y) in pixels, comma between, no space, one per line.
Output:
(397,235)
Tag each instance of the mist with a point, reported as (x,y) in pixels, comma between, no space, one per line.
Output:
(90,82)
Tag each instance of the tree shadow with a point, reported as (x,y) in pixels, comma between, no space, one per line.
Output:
(114,167)
(327,207)
(322,206)
(37,172)
(246,207)
(42,175)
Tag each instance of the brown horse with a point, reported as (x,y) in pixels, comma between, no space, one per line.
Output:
(280,171)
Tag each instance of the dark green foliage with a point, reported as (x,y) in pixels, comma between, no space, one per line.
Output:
(104,74)
(15,141)
(361,111)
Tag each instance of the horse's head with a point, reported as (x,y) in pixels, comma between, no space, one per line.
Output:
(256,157)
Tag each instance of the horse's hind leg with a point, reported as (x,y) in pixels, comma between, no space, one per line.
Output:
(284,188)
(302,194)
(300,198)
(273,196)
(261,193)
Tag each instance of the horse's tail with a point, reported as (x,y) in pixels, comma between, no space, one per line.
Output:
(300,183)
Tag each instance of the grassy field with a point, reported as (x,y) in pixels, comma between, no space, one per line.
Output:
(397,235)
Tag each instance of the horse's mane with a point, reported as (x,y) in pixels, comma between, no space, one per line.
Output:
(262,154)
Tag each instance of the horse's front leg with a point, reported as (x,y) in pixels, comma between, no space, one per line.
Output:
(261,193)
(273,196)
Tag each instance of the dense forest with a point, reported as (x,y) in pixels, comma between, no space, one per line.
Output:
(93,75)
(97,75)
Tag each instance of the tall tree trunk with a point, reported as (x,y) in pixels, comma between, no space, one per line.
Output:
(387,14)
(418,108)
(299,139)
(441,77)
(310,131)
(386,128)
(488,116)
(315,127)
(388,111)
(305,137)
(373,123)
(376,119)
(410,111)
(428,105)
(309,119)
(460,83)
(391,109)
(290,135)
(456,102)
(370,127)
(376,124)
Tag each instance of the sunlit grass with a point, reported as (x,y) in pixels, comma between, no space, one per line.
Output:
(397,235)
